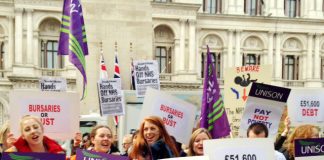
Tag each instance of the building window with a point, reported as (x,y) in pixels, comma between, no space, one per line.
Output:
(2,56)
(216,58)
(251,59)
(292,8)
(212,6)
(253,7)
(322,68)
(49,56)
(290,68)
(164,59)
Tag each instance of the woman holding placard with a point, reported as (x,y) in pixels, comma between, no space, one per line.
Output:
(196,142)
(301,132)
(32,138)
(101,138)
(153,141)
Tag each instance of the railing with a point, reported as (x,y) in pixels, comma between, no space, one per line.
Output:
(293,83)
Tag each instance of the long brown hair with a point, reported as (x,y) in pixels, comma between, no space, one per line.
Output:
(301,132)
(141,145)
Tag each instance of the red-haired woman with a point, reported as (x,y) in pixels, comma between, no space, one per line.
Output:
(153,141)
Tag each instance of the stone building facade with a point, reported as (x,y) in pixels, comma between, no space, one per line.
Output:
(285,33)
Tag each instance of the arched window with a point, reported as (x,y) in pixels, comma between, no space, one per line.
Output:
(292,49)
(163,44)
(49,35)
(252,51)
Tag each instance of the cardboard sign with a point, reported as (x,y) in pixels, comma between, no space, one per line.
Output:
(237,84)
(312,148)
(239,149)
(189,158)
(111,98)
(58,111)
(265,105)
(91,155)
(177,115)
(306,106)
(31,156)
(146,75)
(57,84)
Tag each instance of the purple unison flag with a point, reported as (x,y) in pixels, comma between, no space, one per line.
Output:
(31,156)
(91,155)
(73,41)
(213,116)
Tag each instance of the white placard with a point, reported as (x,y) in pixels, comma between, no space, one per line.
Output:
(178,115)
(111,98)
(306,106)
(262,111)
(189,158)
(146,75)
(58,111)
(239,149)
(57,84)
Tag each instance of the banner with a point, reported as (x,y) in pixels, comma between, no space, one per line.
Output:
(58,111)
(306,106)
(239,149)
(73,39)
(110,97)
(312,148)
(57,84)
(91,155)
(177,115)
(213,115)
(146,75)
(31,156)
(265,105)
(237,84)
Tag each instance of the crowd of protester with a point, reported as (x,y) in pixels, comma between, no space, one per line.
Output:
(150,142)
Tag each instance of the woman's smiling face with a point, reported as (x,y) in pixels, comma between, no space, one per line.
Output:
(32,132)
(198,143)
(151,132)
(102,140)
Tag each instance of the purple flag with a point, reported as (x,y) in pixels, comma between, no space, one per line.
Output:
(213,115)
(91,155)
(31,156)
(73,41)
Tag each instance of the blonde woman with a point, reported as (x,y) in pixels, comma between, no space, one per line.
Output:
(32,138)
(196,142)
